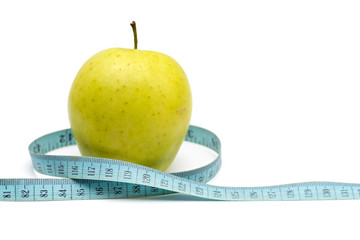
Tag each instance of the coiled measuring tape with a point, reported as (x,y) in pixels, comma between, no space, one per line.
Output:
(84,178)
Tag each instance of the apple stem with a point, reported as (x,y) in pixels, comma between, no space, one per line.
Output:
(133,25)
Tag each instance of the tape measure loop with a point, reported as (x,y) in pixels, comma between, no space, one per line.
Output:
(82,178)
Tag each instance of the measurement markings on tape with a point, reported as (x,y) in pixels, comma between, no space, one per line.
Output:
(83,178)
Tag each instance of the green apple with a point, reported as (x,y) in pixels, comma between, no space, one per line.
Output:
(132,105)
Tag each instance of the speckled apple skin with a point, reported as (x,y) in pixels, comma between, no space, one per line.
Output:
(131,105)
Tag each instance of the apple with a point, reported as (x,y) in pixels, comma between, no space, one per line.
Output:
(131,105)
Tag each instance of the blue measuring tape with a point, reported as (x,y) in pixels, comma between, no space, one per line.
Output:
(84,178)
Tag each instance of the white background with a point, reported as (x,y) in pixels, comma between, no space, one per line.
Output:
(277,81)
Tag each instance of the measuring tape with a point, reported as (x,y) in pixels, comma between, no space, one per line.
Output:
(84,178)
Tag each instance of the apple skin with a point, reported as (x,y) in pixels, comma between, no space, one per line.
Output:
(132,105)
